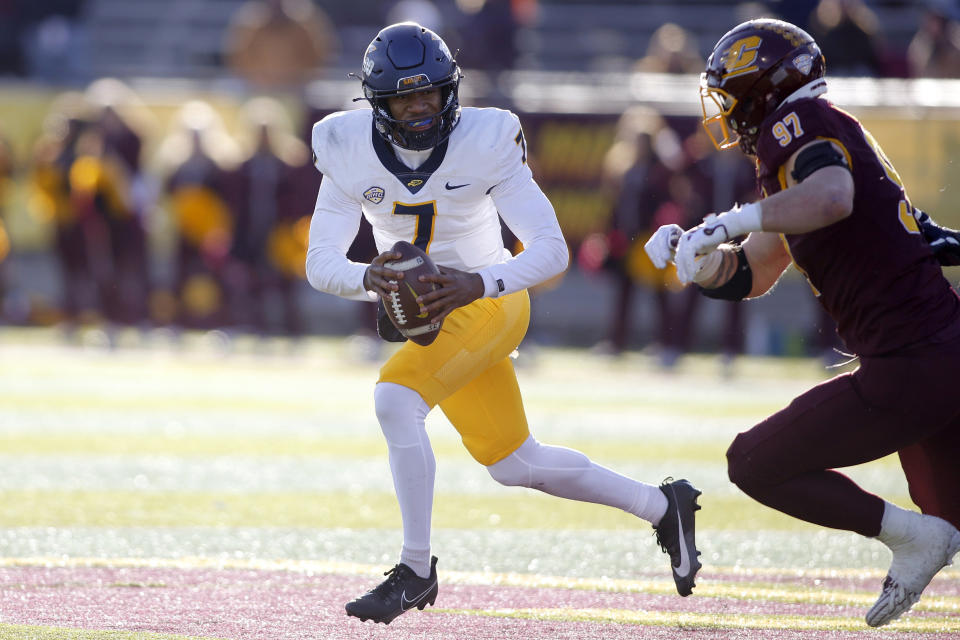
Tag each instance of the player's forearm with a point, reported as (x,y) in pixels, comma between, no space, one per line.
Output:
(762,258)
(531,217)
(328,270)
(726,267)
(333,227)
(327,266)
(544,258)
(768,258)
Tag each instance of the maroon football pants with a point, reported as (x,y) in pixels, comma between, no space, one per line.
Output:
(904,403)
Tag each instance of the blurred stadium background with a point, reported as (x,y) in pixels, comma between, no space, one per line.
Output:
(219,484)
(131,236)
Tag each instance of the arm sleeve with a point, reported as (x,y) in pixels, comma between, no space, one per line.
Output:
(335,222)
(527,211)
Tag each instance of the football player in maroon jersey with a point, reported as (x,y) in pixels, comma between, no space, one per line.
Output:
(835,206)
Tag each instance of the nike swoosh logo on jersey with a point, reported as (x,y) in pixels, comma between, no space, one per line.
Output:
(682,569)
(407,604)
(451,187)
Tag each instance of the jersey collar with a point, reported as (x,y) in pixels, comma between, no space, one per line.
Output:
(812,89)
(413,179)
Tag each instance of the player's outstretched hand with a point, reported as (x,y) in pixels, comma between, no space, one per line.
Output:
(378,278)
(662,245)
(457,289)
(710,234)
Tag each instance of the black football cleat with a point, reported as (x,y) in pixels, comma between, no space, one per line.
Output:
(401,591)
(675,533)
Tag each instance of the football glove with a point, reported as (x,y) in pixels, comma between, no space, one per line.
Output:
(662,245)
(714,231)
(944,242)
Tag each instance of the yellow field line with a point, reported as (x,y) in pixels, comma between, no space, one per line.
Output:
(754,591)
(35,632)
(715,620)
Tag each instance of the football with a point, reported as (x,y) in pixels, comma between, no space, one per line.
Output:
(406,315)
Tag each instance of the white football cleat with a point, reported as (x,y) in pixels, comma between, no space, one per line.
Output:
(927,546)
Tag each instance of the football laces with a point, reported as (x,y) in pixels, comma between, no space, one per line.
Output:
(396,306)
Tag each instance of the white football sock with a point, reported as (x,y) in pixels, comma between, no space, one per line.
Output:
(567,473)
(402,412)
(897,525)
(416,559)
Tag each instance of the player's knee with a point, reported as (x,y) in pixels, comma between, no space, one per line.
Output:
(399,410)
(755,468)
(384,402)
(739,467)
(539,466)
(511,472)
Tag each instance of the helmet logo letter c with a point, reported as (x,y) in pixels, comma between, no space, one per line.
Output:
(739,58)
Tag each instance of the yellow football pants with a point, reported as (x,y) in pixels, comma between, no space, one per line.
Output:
(468,372)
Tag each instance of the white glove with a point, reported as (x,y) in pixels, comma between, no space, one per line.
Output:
(714,231)
(662,245)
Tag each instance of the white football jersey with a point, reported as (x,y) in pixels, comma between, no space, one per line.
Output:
(448,206)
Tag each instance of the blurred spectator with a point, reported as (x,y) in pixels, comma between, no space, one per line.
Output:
(489,37)
(274,191)
(55,40)
(99,192)
(721,179)
(120,119)
(636,177)
(279,43)
(848,32)
(934,51)
(686,203)
(525,12)
(198,157)
(51,200)
(645,174)
(653,179)
(672,49)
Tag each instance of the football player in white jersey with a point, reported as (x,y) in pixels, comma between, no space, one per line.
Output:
(422,169)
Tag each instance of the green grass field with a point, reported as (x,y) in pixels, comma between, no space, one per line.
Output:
(267,456)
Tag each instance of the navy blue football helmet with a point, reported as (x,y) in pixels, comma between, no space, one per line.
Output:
(405,58)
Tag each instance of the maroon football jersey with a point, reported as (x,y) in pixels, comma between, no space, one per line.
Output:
(872,271)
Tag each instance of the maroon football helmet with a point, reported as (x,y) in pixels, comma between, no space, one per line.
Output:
(752,70)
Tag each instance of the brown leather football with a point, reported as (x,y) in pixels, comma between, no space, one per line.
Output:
(402,308)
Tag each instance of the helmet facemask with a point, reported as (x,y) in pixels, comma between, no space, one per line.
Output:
(717,105)
(401,133)
(730,121)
